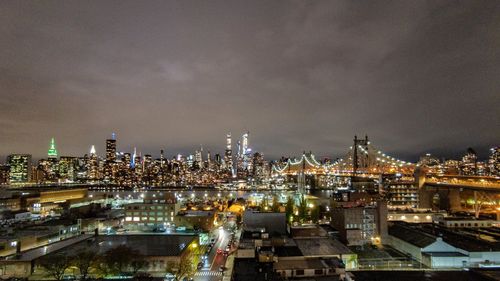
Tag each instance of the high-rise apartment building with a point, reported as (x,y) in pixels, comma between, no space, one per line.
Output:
(67,168)
(468,166)
(20,168)
(228,156)
(111,149)
(494,161)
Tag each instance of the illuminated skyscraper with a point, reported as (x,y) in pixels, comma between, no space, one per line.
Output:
(244,161)
(258,165)
(198,157)
(93,171)
(228,156)
(20,168)
(468,166)
(67,168)
(238,149)
(209,160)
(111,149)
(244,143)
(52,153)
(134,157)
(127,160)
(494,161)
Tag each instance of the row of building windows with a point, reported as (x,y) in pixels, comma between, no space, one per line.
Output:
(137,219)
(160,207)
(149,213)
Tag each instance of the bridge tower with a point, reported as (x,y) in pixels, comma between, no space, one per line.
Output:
(301,177)
(359,159)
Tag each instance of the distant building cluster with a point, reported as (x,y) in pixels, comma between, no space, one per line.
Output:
(134,169)
(469,165)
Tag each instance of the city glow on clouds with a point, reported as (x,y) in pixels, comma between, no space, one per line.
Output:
(415,76)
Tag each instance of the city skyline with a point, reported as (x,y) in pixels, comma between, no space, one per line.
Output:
(249,140)
(416,77)
(99,149)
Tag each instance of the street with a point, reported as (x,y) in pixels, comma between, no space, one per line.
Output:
(211,269)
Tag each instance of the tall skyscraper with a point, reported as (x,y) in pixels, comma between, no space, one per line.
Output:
(198,157)
(209,160)
(127,160)
(244,159)
(111,149)
(134,157)
(228,156)
(244,143)
(238,149)
(468,166)
(20,168)
(67,168)
(93,171)
(52,153)
(494,161)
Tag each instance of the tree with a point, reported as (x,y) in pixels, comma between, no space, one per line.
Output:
(302,209)
(138,263)
(55,265)
(188,263)
(315,213)
(84,260)
(289,209)
(117,260)
(264,205)
(186,267)
(171,267)
(275,206)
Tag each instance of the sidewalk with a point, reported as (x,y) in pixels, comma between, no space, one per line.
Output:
(228,273)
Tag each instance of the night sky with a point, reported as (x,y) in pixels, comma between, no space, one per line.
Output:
(416,76)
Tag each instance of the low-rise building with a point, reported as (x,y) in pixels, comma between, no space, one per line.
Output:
(159,252)
(415,216)
(198,220)
(359,225)
(36,236)
(331,267)
(155,211)
(438,247)
(273,223)
(454,222)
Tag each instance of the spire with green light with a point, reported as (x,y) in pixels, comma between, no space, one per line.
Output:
(52,150)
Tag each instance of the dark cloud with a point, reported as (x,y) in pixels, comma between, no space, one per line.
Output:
(415,76)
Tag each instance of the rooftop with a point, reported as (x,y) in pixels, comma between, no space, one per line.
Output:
(148,245)
(322,247)
(411,235)
(44,250)
(444,254)
(307,264)
(287,251)
(422,235)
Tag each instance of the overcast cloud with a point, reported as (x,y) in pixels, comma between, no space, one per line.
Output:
(416,76)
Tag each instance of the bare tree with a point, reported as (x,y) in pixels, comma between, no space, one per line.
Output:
(119,259)
(84,260)
(55,265)
(138,263)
